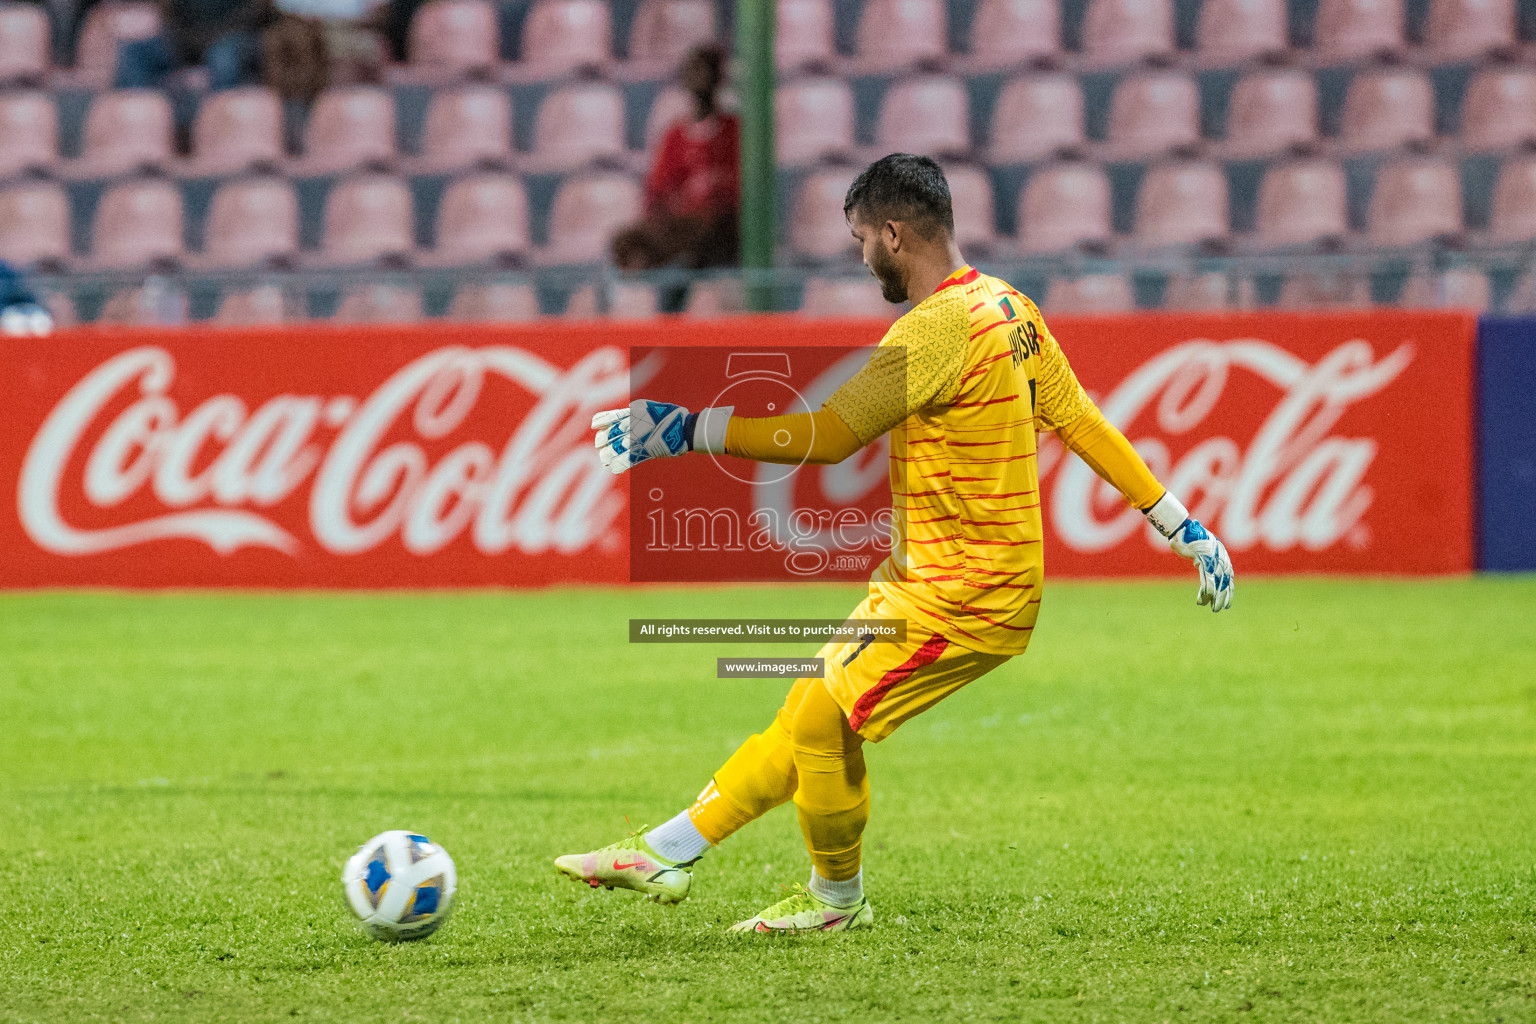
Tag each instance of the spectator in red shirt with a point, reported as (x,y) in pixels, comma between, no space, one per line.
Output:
(694,189)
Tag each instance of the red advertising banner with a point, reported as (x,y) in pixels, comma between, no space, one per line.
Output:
(450,455)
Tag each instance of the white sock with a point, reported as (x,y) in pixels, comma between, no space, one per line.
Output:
(678,840)
(839,894)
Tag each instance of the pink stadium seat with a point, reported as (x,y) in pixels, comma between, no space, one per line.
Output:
(1414,201)
(1211,291)
(137,223)
(263,306)
(812,119)
(805,34)
(481,218)
(560,35)
(1324,290)
(1350,29)
(720,296)
(34,224)
(929,115)
(106,26)
(970,193)
(1181,204)
(1513,218)
(846,297)
(1457,29)
(1269,112)
(158,302)
(1035,116)
(1464,288)
(665,30)
(1064,205)
(494,303)
(23,42)
(237,129)
(29,124)
(1005,32)
(379,303)
(1090,293)
(577,124)
(817,229)
(588,210)
(895,34)
(1153,113)
(1301,202)
(454,37)
(1119,32)
(251,222)
(1386,108)
(1230,32)
(125,131)
(349,127)
(466,126)
(1499,110)
(670,105)
(625,302)
(367,218)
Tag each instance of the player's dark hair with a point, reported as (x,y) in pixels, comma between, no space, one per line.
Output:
(906,188)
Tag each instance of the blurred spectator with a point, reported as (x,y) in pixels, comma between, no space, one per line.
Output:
(320,43)
(20,311)
(694,188)
(222,35)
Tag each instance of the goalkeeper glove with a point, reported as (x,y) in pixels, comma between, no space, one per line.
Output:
(656,430)
(1190,540)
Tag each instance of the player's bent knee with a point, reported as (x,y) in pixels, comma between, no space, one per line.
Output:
(819,726)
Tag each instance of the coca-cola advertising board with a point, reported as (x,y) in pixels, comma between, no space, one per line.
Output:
(461,456)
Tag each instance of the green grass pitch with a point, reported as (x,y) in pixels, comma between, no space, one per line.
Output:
(1318,807)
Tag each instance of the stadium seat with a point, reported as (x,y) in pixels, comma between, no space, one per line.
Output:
(1181,203)
(588,210)
(1301,202)
(158,302)
(482,217)
(494,302)
(1036,116)
(625,302)
(263,306)
(29,124)
(827,297)
(1010,32)
(1269,112)
(929,114)
(350,127)
(127,130)
(379,303)
(1499,110)
(561,35)
(896,34)
(1090,293)
(250,223)
(805,35)
(1064,205)
(1459,29)
(1513,218)
(465,127)
(237,129)
(1153,113)
(1209,291)
(34,224)
(23,43)
(665,30)
(1123,32)
(1346,30)
(105,28)
(817,228)
(1415,200)
(577,124)
(1231,32)
(137,224)
(455,37)
(1324,290)
(1461,288)
(1386,108)
(970,193)
(670,105)
(716,296)
(367,218)
(812,119)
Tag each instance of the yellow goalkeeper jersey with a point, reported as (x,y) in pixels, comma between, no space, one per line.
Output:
(963,382)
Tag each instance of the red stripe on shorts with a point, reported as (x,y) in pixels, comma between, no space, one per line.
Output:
(871,698)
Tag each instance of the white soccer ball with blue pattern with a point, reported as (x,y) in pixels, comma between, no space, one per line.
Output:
(400,885)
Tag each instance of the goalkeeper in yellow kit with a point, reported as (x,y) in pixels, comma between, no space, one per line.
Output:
(963,383)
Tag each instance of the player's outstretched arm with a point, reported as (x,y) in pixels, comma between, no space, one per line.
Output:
(659,430)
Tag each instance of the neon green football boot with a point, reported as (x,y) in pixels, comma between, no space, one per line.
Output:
(803,911)
(630,863)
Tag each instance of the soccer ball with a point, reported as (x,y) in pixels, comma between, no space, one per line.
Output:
(400,885)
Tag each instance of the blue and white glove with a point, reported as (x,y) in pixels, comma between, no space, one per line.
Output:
(656,430)
(1193,541)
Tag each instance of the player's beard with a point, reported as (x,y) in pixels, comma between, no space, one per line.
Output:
(883,265)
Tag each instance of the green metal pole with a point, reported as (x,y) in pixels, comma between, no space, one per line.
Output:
(754,53)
